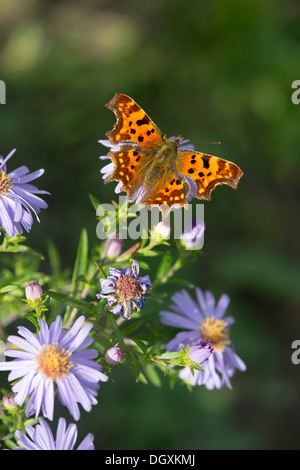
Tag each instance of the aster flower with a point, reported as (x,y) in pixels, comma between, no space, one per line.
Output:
(124,289)
(54,356)
(18,198)
(41,437)
(203,320)
(193,236)
(109,168)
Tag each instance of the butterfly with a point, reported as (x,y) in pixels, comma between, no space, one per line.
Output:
(153,167)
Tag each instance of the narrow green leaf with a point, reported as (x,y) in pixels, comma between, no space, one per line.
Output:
(181,281)
(141,378)
(54,258)
(117,331)
(133,327)
(152,375)
(140,344)
(150,253)
(164,267)
(94,201)
(71,302)
(81,261)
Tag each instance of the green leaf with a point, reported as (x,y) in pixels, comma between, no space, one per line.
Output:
(152,375)
(164,267)
(181,281)
(54,258)
(80,267)
(140,344)
(117,331)
(141,378)
(94,201)
(81,261)
(72,302)
(8,288)
(168,356)
(10,444)
(133,327)
(150,253)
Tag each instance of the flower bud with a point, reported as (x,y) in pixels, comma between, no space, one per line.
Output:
(9,402)
(193,236)
(113,247)
(200,351)
(33,291)
(161,231)
(113,356)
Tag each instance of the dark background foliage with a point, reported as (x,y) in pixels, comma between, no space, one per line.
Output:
(210,71)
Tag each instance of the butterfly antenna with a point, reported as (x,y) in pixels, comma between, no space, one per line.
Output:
(172,124)
(208,143)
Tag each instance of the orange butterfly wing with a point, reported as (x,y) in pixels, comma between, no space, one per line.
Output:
(133,124)
(207,171)
(129,166)
(174,193)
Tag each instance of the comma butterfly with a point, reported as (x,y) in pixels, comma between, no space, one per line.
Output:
(147,160)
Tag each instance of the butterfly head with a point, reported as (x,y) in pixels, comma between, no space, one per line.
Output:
(176,141)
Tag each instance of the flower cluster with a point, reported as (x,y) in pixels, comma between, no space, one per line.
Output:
(56,363)
(204,321)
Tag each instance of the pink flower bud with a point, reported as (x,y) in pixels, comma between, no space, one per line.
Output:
(113,247)
(9,401)
(33,291)
(113,356)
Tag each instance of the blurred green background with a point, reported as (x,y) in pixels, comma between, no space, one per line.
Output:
(210,71)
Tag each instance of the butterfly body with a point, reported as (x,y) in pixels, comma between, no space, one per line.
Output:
(149,162)
(163,163)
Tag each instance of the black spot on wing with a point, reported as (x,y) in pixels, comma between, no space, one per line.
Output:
(205,162)
(144,120)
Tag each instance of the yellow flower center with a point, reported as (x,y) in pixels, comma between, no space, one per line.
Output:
(215,331)
(54,363)
(5,183)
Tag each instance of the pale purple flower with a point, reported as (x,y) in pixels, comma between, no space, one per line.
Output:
(109,168)
(54,356)
(18,199)
(40,437)
(124,289)
(203,320)
(193,235)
